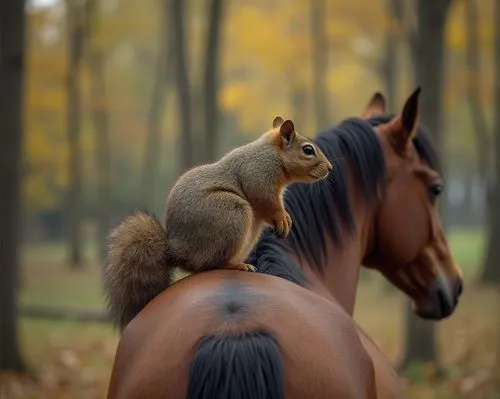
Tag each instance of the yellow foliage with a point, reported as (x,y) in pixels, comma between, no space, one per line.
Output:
(46,171)
(37,194)
(456,34)
(266,60)
(268,51)
(234,96)
(127,33)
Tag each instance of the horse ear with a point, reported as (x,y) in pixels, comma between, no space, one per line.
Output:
(375,107)
(277,121)
(287,131)
(402,128)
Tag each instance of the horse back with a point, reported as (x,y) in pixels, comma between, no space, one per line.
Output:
(238,334)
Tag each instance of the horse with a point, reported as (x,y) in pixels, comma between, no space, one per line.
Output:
(377,194)
(287,331)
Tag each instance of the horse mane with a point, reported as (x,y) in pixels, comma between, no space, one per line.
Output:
(319,210)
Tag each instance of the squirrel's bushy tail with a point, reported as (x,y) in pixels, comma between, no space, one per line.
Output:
(135,270)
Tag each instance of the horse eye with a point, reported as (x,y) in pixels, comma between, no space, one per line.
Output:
(308,150)
(435,190)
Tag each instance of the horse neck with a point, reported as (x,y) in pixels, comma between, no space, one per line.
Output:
(343,261)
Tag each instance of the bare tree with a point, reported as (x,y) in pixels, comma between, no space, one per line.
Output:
(198,96)
(163,71)
(211,78)
(319,45)
(491,270)
(428,52)
(76,36)
(474,91)
(497,354)
(177,17)
(11,99)
(298,101)
(389,67)
(99,109)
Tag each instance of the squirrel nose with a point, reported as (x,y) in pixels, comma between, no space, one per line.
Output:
(329,167)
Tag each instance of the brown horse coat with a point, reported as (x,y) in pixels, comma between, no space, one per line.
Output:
(262,336)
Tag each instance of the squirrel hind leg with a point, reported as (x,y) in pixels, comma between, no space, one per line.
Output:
(246,267)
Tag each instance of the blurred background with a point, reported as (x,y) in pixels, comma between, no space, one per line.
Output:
(103,103)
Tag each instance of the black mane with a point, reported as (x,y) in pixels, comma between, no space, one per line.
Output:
(320,209)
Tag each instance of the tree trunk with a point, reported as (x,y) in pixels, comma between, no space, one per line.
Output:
(103,146)
(74,211)
(491,270)
(473,94)
(177,11)
(389,71)
(320,51)
(211,79)
(420,334)
(420,340)
(497,357)
(11,108)
(101,126)
(430,63)
(391,56)
(297,97)
(163,71)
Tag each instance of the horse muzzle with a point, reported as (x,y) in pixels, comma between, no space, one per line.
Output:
(442,299)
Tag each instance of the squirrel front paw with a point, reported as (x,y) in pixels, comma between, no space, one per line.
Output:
(282,224)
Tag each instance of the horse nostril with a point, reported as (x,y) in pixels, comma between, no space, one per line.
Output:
(445,306)
(458,288)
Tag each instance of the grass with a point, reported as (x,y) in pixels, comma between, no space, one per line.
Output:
(73,359)
(467,246)
(46,284)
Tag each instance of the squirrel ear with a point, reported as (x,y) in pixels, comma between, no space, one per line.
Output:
(277,121)
(287,131)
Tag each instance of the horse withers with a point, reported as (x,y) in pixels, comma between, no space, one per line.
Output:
(240,335)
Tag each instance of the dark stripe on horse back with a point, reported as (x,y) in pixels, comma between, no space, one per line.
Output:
(236,365)
(235,301)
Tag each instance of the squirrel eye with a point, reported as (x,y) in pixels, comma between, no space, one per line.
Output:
(308,150)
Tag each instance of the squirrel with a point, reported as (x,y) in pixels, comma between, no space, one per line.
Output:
(214,216)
